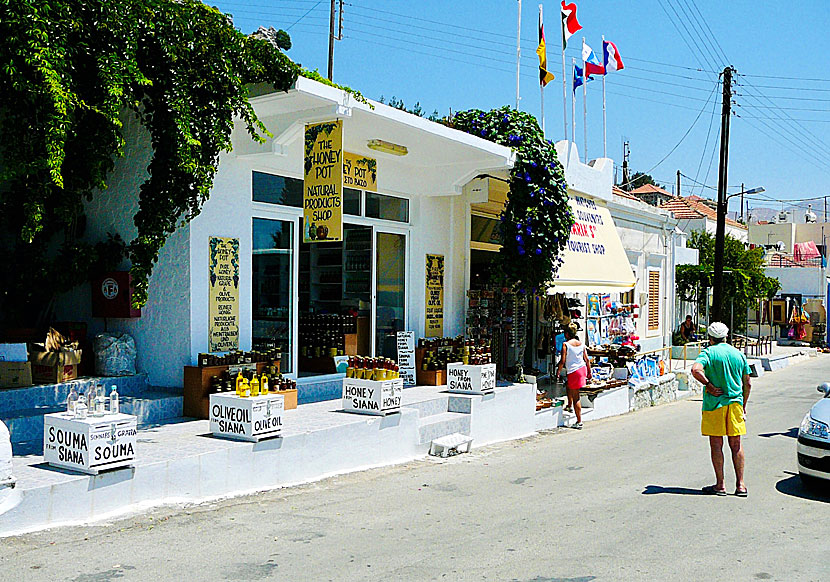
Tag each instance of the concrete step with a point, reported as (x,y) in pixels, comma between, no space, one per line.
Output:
(430,407)
(438,425)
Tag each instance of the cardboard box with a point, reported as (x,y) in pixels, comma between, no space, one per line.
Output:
(15,374)
(54,367)
(13,353)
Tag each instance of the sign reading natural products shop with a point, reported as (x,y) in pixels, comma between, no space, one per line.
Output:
(323,182)
(360,172)
(434,296)
(223,298)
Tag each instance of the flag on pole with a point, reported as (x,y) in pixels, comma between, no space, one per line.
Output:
(592,64)
(578,78)
(569,22)
(545,76)
(611,56)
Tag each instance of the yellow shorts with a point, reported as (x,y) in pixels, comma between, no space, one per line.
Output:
(723,421)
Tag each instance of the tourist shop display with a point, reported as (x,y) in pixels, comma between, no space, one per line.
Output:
(247,416)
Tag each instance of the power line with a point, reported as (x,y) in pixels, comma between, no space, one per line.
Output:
(304,15)
(706,143)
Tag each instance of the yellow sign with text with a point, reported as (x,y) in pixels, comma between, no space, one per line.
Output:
(223,298)
(435,296)
(360,172)
(323,182)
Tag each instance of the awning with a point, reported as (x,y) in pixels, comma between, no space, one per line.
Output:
(594,258)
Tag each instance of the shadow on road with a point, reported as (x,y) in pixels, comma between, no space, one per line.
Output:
(792,433)
(795,487)
(656,489)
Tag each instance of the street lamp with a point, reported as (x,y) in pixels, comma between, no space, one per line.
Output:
(720,236)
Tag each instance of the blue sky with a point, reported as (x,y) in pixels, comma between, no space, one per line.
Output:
(462,55)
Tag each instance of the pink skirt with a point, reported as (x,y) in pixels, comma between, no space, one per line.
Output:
(577,378)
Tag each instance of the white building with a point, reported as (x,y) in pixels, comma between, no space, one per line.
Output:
(693,214)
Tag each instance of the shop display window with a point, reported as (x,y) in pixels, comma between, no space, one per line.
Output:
(387,207)
(272,287)
(391,257)
(484,229)
(275,189)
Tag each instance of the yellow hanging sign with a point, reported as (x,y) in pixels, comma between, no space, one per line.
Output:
(323,182)
(434,296)
(360,172)
(223,298)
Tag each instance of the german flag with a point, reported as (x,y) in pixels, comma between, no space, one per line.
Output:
(545,76)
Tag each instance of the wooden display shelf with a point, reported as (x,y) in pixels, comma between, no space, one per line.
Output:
(427,377)
(197,388)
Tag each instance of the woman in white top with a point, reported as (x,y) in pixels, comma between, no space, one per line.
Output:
(575,361)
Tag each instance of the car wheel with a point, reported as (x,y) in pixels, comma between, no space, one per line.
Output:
(814,483)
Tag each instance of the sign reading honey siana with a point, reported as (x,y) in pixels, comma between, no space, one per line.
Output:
(360,172)
(323,182)
(434,296)
(223,295)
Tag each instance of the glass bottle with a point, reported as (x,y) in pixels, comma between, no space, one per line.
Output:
(254,386)
(99,405)
(72,399)
(80,408)
(115,405)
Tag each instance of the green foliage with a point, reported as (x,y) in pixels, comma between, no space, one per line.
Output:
(744,280)
(414,110)
(637,180)
(315,76)
(537,220)
(69,70)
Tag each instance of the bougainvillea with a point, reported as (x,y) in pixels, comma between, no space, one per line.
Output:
(536,220)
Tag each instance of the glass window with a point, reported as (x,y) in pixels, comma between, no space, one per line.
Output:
(484,230)
(272,287)
(391,258)
(351,201)
(277,190)
(387,207)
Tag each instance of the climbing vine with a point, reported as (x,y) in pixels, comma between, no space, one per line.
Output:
(536,220)
(70,70)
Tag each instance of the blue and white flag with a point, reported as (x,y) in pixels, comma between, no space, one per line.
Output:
(578,78)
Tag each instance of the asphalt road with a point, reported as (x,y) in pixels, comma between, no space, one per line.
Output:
(617,501)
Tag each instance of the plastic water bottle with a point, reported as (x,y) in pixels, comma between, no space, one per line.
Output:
(80,408)
(72,400)
(114,404)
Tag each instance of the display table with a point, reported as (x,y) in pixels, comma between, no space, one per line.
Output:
(468,379)
(246,419)
(372,397)
(90,445)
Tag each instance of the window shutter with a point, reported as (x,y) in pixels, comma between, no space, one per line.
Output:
(653,300)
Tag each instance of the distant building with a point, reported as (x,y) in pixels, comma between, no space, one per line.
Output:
(693,214)
(651,194)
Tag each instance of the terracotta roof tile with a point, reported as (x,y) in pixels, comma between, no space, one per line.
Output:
(622,193)
(689,208)
(650,189)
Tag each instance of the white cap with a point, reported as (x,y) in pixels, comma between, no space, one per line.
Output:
(718,330)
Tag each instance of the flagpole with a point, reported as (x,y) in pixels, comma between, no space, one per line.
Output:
(584,106)
(604,120)
(518,52)
(573,104)
(541,86)
(565,92)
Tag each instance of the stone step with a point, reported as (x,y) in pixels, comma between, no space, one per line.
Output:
(430,407)
(439,425)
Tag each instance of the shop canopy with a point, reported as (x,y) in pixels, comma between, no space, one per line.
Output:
(594,258)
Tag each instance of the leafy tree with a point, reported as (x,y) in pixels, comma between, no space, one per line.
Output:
(69,71)
(744,280)
(637,180)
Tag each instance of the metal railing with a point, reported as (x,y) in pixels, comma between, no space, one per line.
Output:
(781,260)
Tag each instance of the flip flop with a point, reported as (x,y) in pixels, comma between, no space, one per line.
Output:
(741,493)
(710,490)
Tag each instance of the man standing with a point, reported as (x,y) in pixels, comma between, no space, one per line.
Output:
(724,372)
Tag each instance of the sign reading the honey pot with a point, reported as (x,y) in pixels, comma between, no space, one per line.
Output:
(323,182)
(360,172)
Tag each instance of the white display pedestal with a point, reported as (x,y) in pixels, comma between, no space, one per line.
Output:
(246,419)
(372,397)
(465,379)
(91,445)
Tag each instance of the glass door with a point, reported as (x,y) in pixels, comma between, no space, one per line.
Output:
(273,270)
(390,293)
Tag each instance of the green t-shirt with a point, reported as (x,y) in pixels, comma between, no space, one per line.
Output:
(725,367)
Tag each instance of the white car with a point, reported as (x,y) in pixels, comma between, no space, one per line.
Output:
(814,442)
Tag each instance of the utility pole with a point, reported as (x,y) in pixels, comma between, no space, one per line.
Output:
(331,39)
(625,172)
(742,202)
(678,183)
(518,51)
(723,167)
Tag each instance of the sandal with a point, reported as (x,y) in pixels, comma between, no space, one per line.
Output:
(710,490)
(741,492)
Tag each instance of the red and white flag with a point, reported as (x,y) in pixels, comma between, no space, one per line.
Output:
(611,57)
(569,23)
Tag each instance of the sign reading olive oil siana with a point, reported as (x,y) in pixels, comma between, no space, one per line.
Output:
(323,182)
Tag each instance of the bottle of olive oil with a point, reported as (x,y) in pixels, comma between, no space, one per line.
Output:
(263,385)
(254,385)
